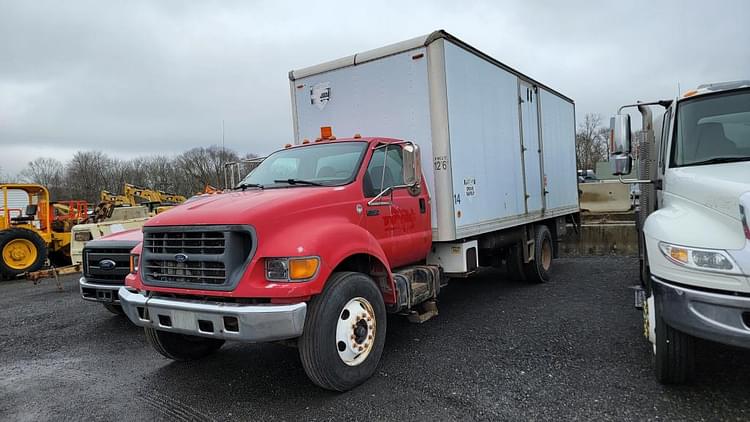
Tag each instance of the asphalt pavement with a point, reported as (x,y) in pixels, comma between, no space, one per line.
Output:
(571,349)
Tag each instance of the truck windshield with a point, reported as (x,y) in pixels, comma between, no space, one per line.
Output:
(712,130)
(333,164)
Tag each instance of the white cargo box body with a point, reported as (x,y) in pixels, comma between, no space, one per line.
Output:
(498,148)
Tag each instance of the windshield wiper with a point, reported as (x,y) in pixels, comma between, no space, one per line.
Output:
(298,182)
(244,186)
(719,160)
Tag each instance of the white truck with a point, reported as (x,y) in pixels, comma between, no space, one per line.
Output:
(694,238)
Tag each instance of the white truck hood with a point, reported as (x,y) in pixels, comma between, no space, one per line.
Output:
(717,186)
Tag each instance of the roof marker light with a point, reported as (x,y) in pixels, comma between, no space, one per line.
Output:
(690,93)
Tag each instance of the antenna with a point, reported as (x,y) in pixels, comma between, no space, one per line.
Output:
(223,150)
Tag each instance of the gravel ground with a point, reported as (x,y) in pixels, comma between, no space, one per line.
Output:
(569,349)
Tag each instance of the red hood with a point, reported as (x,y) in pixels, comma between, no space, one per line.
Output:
(130,234)
(248,206)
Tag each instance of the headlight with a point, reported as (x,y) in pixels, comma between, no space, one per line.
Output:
(134,261)
(83,236)
(700,259)
(291,269)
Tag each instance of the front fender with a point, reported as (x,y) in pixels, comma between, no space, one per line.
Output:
(333,241)
(686,223)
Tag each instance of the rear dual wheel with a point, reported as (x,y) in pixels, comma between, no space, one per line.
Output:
(537,270)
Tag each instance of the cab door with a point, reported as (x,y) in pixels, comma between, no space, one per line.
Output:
(400,219)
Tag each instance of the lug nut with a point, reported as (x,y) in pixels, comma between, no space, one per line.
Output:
(361,349)
(369,337)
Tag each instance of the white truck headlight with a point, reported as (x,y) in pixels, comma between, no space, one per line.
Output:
(699,259)
(82,236)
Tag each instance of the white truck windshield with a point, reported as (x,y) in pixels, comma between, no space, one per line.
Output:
(332,164)
(712,130)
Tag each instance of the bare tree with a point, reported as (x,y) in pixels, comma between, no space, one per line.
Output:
(88,173)
(205,166)
(48,172)
(591,142)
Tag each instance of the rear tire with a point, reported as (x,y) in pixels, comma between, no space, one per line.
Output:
(115,309)
(514,263)
(181,346)
(674,354)
(326,347)
(21,251)
(538,269)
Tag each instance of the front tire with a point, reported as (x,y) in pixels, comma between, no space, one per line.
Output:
(344,332)
(674,354)
(181,347)
(115,309)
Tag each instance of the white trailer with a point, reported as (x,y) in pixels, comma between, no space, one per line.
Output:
(500,145)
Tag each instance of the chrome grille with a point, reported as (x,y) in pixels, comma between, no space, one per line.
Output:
(209,243)
(98,251)
(197,257)
(187,272)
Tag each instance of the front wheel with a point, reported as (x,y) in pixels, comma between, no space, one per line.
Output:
(674,354)
(181,346)
(344,332)
(115,309)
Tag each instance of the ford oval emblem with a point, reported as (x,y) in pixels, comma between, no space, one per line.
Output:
(107,264)
(181,257)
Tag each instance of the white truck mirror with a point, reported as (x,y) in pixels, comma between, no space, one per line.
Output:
(620,145)
(412,164)
(619,134)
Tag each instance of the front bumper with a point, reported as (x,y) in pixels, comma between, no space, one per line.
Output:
(228,321)
(105,293)
(719,317)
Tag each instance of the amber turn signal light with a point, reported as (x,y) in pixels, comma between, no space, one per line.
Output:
(303,268)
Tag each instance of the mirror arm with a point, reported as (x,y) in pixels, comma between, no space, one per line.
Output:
(632,181)
(374,201)
(663,103)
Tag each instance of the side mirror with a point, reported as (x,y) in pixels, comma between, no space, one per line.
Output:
(620,161)
(412,164)
(619,134)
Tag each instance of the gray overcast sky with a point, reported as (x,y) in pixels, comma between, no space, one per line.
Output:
(135,77)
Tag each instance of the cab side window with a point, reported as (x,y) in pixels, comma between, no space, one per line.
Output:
(386,169)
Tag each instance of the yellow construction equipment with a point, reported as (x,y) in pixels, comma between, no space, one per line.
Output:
(31,227)
(136,195)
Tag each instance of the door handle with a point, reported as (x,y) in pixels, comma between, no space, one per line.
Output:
(372,213)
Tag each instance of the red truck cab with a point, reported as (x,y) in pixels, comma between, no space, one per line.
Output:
(306,247)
